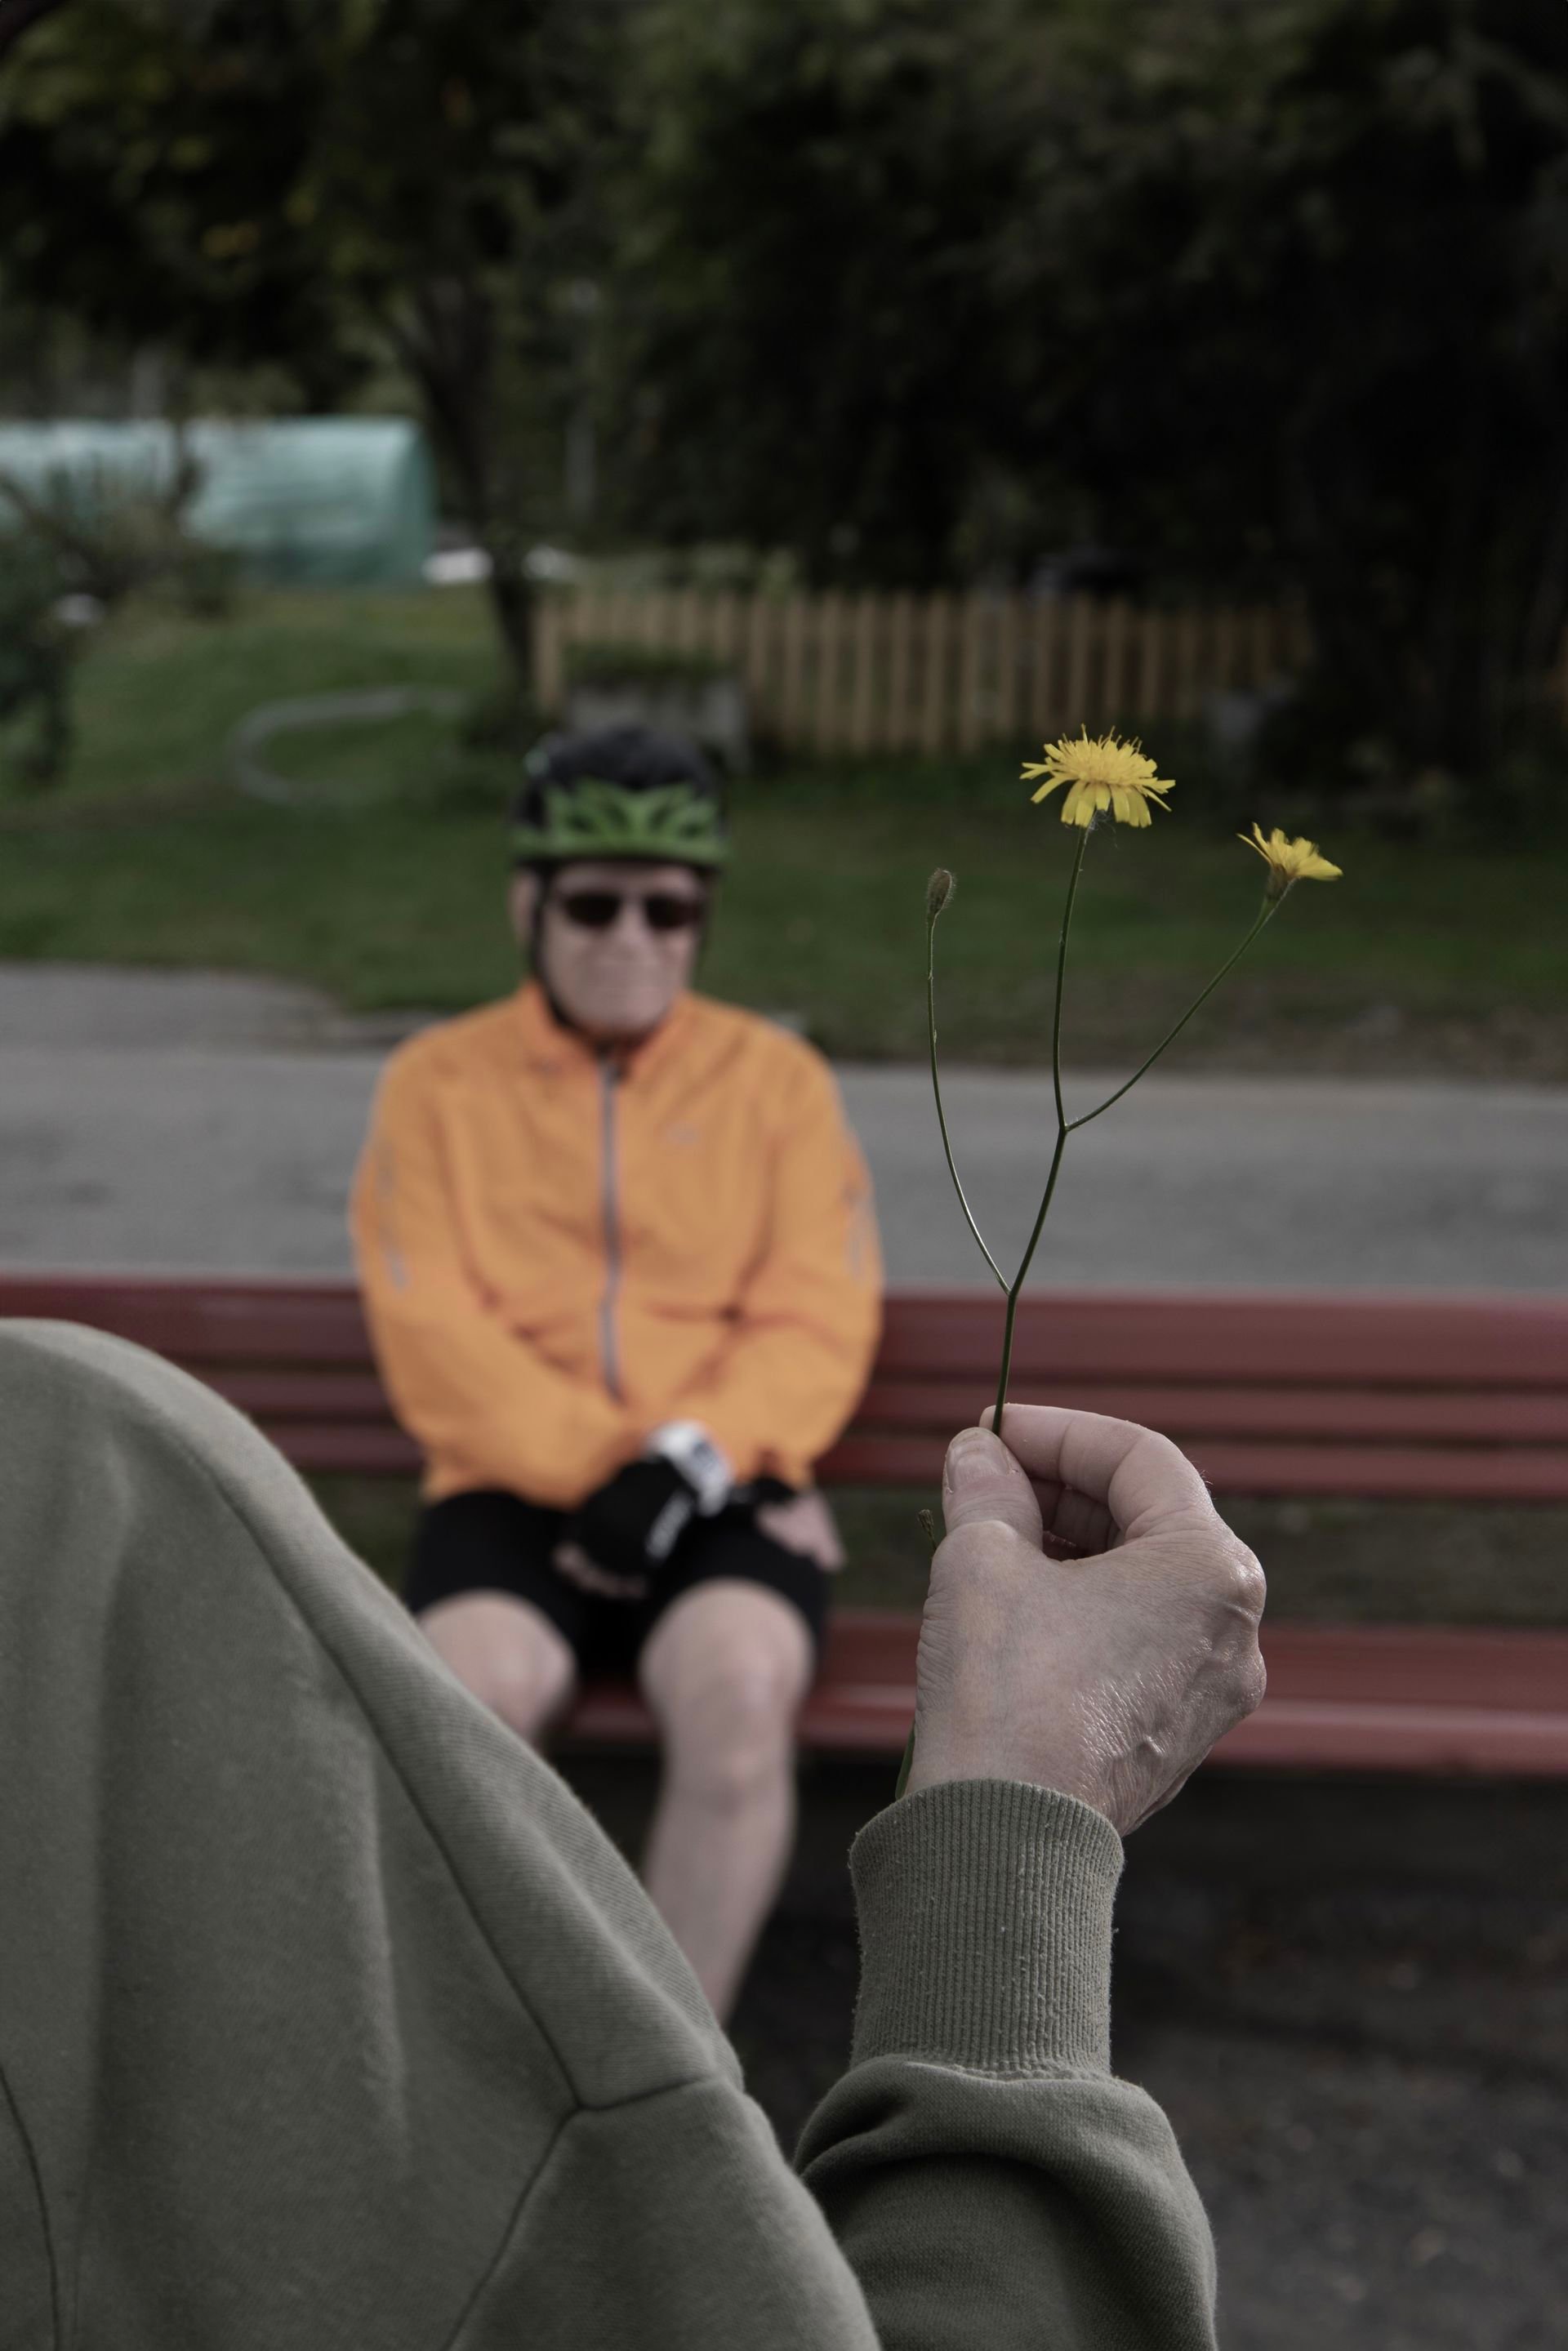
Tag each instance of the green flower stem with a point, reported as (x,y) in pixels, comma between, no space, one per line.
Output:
(1064,1127)
(1062,1131)
(1056,1158)
(904,1770)
(1270,907)
(1056,1014)
(936,1090)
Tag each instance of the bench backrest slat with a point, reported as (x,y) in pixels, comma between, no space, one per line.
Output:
(1393,1397)
(1295,1337)
(1289,1338)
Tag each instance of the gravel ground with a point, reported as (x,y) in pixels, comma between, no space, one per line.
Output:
(1350,1999)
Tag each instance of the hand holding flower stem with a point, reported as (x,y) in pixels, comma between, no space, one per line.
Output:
(1101,775)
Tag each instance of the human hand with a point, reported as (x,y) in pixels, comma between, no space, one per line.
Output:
(804,1523)
(1108,1675)
(622,1533)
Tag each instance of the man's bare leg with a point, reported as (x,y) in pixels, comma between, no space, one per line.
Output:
(724,1670)
(507,1653)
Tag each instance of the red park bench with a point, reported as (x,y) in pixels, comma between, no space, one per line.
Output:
(1390,1397)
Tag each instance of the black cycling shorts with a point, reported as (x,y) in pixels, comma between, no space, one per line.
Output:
(492,1540)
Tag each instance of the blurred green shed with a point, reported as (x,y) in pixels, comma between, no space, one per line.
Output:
(319,501)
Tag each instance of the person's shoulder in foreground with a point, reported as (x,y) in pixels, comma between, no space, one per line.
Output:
(330,2018)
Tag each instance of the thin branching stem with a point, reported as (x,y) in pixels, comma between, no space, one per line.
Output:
(936,1090)
(1269,908)
(1062,1131)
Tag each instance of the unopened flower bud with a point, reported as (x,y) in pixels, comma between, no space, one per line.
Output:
(939,889)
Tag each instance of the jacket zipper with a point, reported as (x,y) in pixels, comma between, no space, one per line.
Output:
(609,1356)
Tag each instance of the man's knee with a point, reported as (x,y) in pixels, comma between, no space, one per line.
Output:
(727,1685)
(507,1653)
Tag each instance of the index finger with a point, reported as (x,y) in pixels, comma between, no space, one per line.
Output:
(1142,1478)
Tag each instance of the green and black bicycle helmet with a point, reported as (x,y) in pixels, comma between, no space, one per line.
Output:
(624,791)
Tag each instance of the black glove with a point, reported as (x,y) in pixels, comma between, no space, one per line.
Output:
(630,1526)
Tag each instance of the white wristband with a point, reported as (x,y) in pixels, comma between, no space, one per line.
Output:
(688,1448)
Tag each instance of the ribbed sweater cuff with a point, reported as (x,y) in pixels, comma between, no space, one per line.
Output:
(985,1922)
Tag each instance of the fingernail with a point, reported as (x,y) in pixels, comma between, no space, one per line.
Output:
(969,1453)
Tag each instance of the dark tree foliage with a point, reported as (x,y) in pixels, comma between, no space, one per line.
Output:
(311,186)
(1273,293)
(19,16)
(812,314)
(1310,264)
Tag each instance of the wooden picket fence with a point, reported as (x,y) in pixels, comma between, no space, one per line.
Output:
(930,673)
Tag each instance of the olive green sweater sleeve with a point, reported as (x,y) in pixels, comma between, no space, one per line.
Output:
(985,2176)
(327,2017)
(989,2182)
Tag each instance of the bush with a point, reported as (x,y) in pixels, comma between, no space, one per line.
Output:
(605,665)
(34,658)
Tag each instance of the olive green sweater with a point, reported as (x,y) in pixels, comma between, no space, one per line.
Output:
(330,2021)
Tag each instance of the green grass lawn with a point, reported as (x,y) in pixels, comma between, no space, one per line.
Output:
(385,888)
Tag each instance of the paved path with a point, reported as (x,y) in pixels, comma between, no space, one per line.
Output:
(161,1121)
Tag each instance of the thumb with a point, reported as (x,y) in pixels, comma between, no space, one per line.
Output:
(980,1480)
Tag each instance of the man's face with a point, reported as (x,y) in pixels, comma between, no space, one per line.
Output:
(617,941)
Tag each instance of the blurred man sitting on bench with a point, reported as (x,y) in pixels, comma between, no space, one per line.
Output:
(619,1262)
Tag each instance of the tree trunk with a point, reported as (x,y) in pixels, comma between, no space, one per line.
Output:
(450,349)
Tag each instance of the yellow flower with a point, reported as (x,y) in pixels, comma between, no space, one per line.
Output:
(1100,772)
(1288,861)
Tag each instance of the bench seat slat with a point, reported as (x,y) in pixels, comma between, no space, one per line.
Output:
(1374,1698)
(1413,1665)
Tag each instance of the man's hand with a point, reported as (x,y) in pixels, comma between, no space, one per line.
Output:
(806,1525)
(1100,1649)
(629,1528)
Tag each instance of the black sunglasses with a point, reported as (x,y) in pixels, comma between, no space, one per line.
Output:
(663,910)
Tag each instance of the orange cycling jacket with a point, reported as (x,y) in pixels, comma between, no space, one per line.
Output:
(559,1252)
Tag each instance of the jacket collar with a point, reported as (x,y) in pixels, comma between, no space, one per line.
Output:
(547,1046)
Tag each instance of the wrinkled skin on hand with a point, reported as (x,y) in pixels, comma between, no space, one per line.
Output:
(1091,1623)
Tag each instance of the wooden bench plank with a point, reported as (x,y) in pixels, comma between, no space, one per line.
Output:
(1451,1473)
(1525,1417)
(1298,1338)
(1416,1664)
(331,1448)
(198,1322)
(1447,1741)
(1356,1415)
(1364,1699)
(296,1353)
(1376,1397)
(1501,1474)
(1483,1341)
